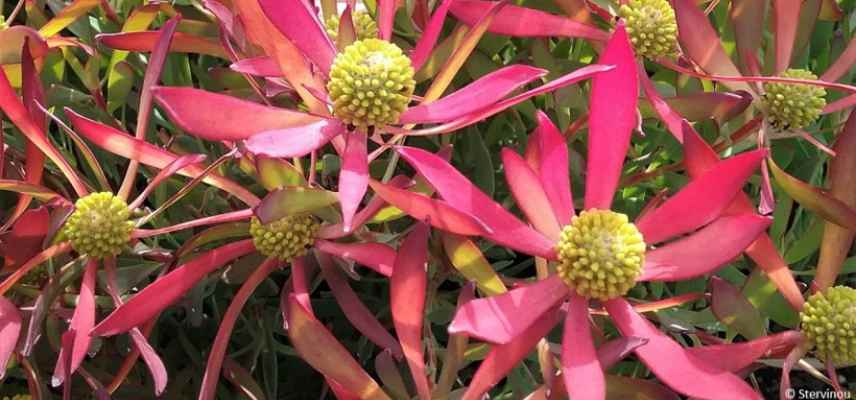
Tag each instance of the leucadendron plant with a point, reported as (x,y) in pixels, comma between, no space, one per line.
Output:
(455,199)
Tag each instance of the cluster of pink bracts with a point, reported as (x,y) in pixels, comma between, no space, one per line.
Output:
(692,233)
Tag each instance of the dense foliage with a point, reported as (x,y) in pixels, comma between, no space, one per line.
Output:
(444,199)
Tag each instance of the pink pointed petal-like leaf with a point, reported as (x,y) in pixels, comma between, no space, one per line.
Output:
(81,323)
(407,288)
(700,201)
(530,194)
(171,169)
(504,357)
(502,318)
(674,365)
(488,89)
(25,239)
(438,213)
(32,94)
(295,142)
(428,39)
(208,390)
(747,18)
(232,216)
(145,42)
(581,368)
(169,288)
(464,196)
(843,64)
(318,347)
(787,365)
(693,255)
(612,118)
(10,328)
(525,22)
(700,42)
(700,158)
(737,356)
(377,256)
(258,66)
(386,17)
(355,311)
(568,79)
(670,117)
(122,144)
(38,192)
(552,167)
(15,111)
(815,199)
(299,23)
(786,17)
(354,177)
(214,116)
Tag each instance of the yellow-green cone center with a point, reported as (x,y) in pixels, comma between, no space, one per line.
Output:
(652,27)
(286,238)
(829,322)
(370,84)
(99,226)
(364,25)
(600,254)
(792,105)
(18,397)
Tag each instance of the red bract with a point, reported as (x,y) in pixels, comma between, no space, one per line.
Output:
(517,319)
(280,132)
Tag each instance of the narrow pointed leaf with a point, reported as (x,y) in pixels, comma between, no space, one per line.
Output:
(700,42)
(386,17)
(355,311)
(702,200)
(503,358)
(837,240)
(674,365)
(354,177)
(437,213)
(376,256)
(530,194)
(786,17)
(38,192)
(428,40)
(612,118)
(25,239)
(163,292)
(581,369)
(67,15)
(501,319)
(843,64)
(747,17)
(298,22)
(81,323)
(295,142)
(214,116)
(466,257)
(144,42)
(737,356)
(10,328)
(525,22)
(693,255)
(322,351)
(553,167)
(819,201)
(407,288)
(488,89)
(258,66)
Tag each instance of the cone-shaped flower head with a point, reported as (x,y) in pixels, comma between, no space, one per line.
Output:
(286,238)
(99,226)
(18,397)
(793,106)
(600,254)
(829,322)
(652,27)
(371,82)
(365,26)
